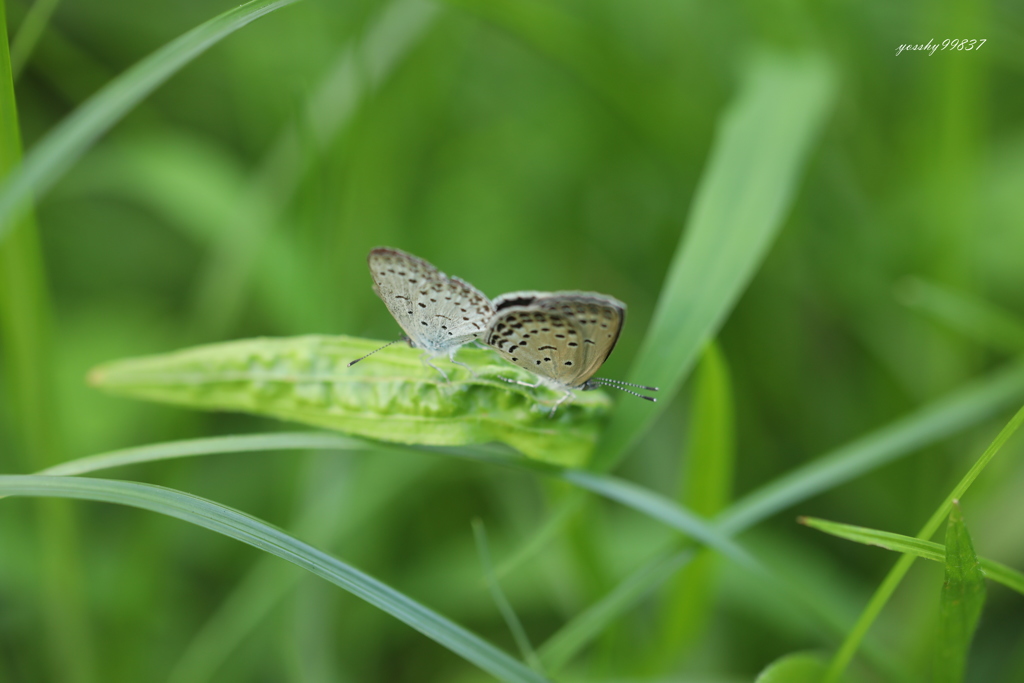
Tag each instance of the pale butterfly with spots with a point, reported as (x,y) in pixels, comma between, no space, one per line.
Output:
(562,337)
(438,313)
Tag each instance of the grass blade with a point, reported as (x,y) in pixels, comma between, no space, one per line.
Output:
(928,550)
(706,487)
(799,667)
(328,516)
(32,26)
(664,510)
(972,317)
(355,75)
(944,417)
(26,337)
(560,648)
(279,441)
(939,419)
(249,530)
(59,150)
(963,597)
(504,606)
(849,647)
(744,196)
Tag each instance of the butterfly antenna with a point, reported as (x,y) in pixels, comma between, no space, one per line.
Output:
(628,384)
(620,388)
(375,351)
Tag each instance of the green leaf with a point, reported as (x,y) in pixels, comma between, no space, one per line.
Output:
(26,340)
(666,511)
(888,586)
(59,150)
(944,417)
(951,414)
(799,667)
(504,606)
(333,509)
(928,550)
(392,396)
(706,488)
(963,596)
(247,443)
(744,196)
(32,27)
(631,495)
(973,317)
(561,647)
(249,530)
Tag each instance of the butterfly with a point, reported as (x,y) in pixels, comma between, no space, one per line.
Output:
(438,313)
(562,337)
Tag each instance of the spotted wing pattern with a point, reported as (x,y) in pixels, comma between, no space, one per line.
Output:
(437,312)
(563,337)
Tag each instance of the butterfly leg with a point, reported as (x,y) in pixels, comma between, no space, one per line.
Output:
(451,357)
(426,358)
(515,381)
(569,396)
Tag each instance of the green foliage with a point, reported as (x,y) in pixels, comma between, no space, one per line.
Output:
(54,155)
(767,180)
(896,574)
(801,667)
(244,528)
(963,596)
(929,550)
(706,488)
(392,396)
(755,167)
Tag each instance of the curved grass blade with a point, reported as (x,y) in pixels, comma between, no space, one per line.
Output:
(394,397)
(963,597)
(636,497)
(356,73)
(706,488)
(249,530)
(664,510)
(971,316)
(944,417)
(941,418)
(934,421)
(563,39)
(947,416)
(928,550)
(504,606)
(799,667)
(32,27)
(743,198)
(888,586)
(26,338)
(328,516)
(59,150)
(278,441)
(560,648)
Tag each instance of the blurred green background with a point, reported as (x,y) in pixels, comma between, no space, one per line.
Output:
(535,144)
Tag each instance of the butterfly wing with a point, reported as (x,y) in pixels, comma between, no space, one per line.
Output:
(436,312)
(563,337)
